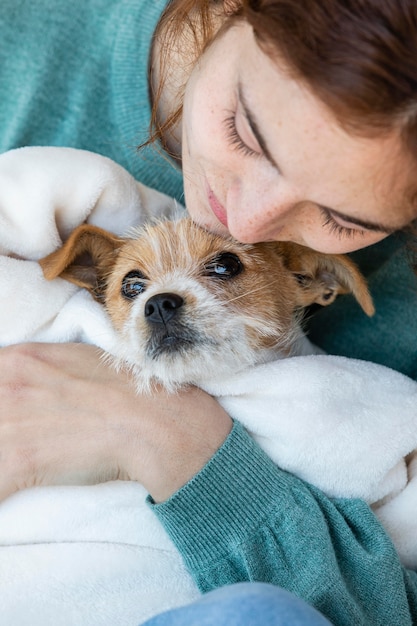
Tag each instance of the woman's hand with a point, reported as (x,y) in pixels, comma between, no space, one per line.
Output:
(66,417)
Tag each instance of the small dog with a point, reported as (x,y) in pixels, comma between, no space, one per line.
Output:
(189,305)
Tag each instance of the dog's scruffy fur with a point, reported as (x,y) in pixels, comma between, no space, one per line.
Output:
(189,305)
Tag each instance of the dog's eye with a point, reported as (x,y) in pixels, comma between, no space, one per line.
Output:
(225,265)
(303,279)
(133,285)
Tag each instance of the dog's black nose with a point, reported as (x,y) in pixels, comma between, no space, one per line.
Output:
(162,307)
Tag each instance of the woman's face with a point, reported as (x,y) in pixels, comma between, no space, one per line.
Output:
(263,159)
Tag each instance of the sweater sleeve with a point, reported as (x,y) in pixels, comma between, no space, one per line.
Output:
(243,519)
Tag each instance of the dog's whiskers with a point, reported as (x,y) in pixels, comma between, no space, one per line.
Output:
(252,291)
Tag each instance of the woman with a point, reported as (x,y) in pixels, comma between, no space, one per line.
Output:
(297,122)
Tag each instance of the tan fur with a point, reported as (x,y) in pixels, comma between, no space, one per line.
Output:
(222,323)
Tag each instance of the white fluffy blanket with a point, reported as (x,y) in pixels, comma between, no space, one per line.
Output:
(97,555)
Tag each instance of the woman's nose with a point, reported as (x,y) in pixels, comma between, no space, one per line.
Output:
(254,217)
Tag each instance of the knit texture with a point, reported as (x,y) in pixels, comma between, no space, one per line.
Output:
(75,74)
(239,520)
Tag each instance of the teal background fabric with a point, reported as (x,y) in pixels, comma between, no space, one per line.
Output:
(390,336)
(75,74)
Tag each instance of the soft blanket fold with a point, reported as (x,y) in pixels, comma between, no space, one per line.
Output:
(97,555)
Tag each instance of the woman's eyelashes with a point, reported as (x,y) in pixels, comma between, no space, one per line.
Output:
(235,140)
(335,228)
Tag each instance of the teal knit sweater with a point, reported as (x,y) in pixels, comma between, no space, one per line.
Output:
(75,74)
(242,518)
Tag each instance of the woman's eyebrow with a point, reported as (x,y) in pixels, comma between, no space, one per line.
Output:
(373,226)
(255,127)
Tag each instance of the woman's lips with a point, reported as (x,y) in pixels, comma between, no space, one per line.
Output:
(218,210)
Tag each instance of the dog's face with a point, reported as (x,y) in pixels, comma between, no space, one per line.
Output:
(190,306)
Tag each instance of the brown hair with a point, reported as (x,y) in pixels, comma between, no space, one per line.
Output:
(190,18)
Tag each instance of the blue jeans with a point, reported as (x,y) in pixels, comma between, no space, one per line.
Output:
(243,604)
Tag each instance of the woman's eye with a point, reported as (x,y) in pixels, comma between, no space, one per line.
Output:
(234,139)
(342,231)
(224,266)
(133,285)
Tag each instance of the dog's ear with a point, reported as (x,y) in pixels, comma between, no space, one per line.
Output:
(86,259)
(321,277)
